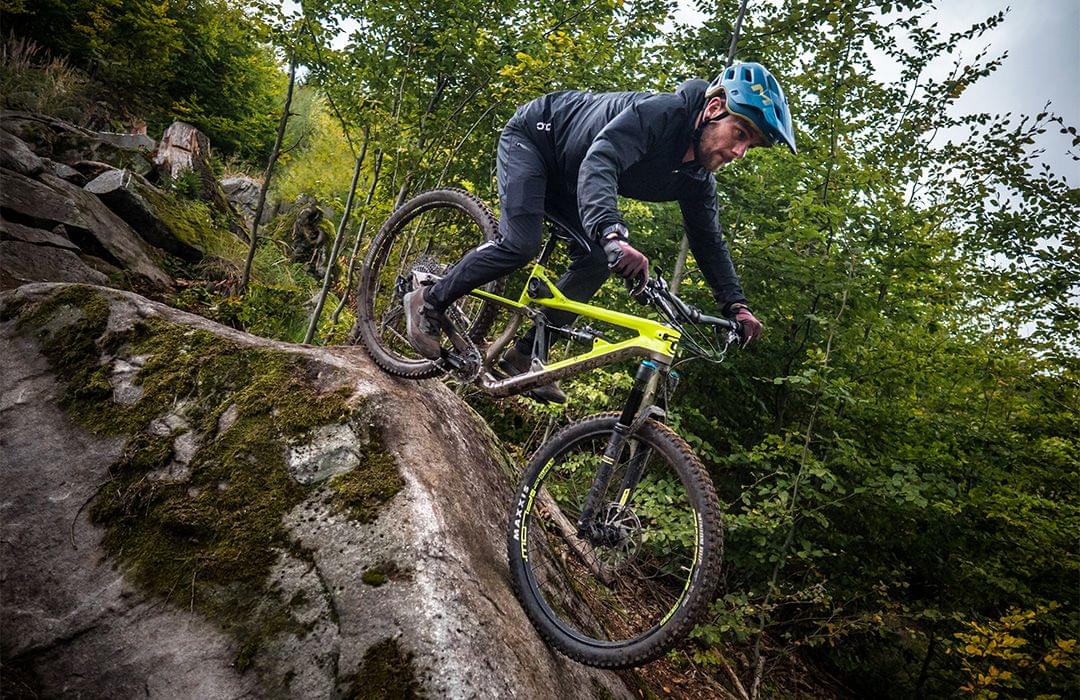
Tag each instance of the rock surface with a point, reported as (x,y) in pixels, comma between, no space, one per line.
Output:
(58,140)
(78,621)
(243,193)
(29,262)
(130,197)
(16,155)
(49,201)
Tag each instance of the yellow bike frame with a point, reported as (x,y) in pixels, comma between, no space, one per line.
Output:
(653,340)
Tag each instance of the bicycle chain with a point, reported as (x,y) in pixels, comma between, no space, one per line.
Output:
(474,360)
(472,357)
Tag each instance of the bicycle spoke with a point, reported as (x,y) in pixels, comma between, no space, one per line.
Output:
(425,236)
(624,588)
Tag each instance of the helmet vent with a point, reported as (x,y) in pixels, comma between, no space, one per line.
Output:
(773,85)
(747,75)
(730,73)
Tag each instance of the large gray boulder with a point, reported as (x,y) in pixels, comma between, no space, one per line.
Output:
(243,193)
(16,155)
(27,262)
(49,201)
(215,515)
(140,205)
(60,141)
(33,255)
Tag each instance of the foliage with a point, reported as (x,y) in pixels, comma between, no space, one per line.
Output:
(995,658)
(203,61)
(898,455)
(33,80)
(898,426)
(322,166)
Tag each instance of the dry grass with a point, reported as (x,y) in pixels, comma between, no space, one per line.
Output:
(33,80)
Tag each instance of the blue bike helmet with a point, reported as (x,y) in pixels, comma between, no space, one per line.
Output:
(752,92)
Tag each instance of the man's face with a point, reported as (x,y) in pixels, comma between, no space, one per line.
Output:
(725,140)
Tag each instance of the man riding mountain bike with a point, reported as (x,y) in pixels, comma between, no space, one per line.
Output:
(571,153)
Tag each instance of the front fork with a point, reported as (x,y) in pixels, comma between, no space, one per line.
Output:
(648,376)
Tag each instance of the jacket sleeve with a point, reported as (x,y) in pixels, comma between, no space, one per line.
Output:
(625,140)
(702,220)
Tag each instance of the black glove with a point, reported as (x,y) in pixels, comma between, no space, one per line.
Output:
(625,260)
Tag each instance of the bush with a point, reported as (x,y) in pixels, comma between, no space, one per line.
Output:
(202,61)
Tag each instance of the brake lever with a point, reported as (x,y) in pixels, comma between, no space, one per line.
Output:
(639,289)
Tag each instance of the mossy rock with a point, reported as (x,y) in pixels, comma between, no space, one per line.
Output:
(209,540)
(384,572)
(386,672)
(359,493)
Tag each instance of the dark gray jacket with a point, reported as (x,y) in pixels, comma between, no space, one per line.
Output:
(599,145)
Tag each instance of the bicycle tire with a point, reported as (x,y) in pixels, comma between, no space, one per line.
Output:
(700,584)
(366,330)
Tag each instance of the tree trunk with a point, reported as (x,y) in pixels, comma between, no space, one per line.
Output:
(313,323)
(684,246)
(359,238)
(266,178)
(185,149)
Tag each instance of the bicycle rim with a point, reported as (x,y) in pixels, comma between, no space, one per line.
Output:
(621,593)
(430,238)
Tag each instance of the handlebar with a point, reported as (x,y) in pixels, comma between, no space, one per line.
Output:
(656,293)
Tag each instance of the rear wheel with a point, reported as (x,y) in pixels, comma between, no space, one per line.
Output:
(429,233)
(652,567)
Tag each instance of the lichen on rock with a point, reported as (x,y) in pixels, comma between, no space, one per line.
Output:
(362,490)
(208,536)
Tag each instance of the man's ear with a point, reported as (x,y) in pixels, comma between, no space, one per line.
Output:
(715,105)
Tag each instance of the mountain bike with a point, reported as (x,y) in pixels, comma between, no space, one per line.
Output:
(615,538)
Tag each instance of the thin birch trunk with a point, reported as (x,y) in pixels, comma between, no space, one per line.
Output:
(331,262)
(684,245)
(266,178)
(359,238)
(804,458)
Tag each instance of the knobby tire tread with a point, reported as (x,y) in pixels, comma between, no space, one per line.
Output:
(459,199)
(701,594)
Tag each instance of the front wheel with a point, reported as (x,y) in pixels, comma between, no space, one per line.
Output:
(630,595)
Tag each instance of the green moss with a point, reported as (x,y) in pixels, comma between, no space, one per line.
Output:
(194,223)
(69,326)
(210,541)
(386,672)
(363,490)
(374,577)
(600,692)
(218,533)
(384,571)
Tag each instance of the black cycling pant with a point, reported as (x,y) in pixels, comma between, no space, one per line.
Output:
(523,196)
